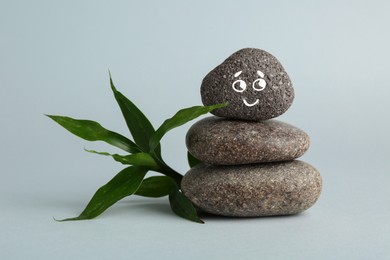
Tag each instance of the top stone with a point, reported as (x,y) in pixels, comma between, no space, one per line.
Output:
(253,82)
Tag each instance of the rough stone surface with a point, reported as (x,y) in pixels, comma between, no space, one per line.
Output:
(274,96)
(253,190)
(224,141)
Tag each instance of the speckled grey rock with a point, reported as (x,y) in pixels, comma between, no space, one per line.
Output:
(224,141)
(253,82)
(253,190)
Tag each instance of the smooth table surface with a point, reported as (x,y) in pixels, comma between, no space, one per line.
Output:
(350,221)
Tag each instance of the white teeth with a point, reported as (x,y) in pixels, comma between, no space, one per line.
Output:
(248,104)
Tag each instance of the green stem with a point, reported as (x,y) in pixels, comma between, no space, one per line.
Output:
(166,170)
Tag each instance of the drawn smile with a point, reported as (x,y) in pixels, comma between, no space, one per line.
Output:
(250,104)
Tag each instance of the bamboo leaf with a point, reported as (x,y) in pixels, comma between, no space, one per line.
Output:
(155,187)
(137,159)
(182,206)
(124,184)
(93,131)
(140,127)
(192,161)
(181,117)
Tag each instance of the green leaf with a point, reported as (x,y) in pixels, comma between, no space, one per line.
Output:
(140,127)
(93,131)
(182,206)
(192,161)
(181,117)
(137,159)
(155,187)
(124,184)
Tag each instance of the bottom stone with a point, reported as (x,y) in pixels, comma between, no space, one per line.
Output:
(253,190)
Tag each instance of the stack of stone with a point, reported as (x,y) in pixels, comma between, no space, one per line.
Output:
(249,167)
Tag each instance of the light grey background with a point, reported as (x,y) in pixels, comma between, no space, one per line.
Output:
(54,59)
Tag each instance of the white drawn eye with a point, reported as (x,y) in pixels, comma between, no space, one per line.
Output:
(239,85)
(259,84)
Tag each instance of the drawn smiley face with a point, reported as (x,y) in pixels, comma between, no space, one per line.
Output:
(258,85)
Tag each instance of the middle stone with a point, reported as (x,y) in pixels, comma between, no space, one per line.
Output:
(223,141)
